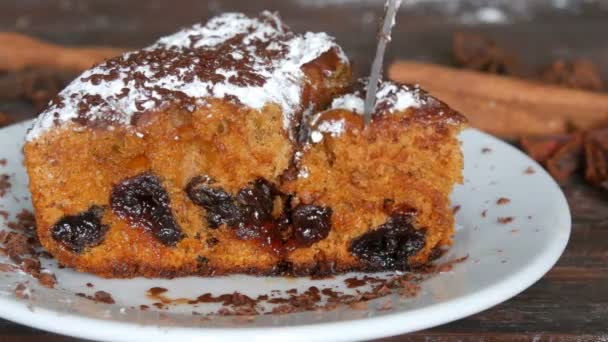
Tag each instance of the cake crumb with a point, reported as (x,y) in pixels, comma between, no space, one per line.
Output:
(7,267)
(16,244)
(529,170)
(486,150)
(445,268)
(104,297)
(502,201)
(47,279)
(25,222)
(30,266)
(22,291)
(505,220)
(359,305)
(314,299)
(244,318)
(354,282)
(388,305)
(5,184)
(409,289)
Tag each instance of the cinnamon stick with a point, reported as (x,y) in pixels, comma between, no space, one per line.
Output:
(505,106)
(20,51)
(500,118)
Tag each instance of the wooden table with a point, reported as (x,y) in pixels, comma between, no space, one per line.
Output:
(571,302)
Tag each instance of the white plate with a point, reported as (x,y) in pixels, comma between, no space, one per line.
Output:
(504,259)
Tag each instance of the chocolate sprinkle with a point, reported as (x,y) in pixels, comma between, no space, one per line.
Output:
(253,61)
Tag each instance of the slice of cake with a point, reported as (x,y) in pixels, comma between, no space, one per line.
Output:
(213,152)
(387,184)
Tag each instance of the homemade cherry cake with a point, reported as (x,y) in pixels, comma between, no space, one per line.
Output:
(239,146)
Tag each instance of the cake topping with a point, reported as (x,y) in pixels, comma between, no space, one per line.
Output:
(254,61)
(391,98)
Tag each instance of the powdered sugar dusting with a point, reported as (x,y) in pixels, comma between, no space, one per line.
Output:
(391,97)
(253,61)
(352,102)
(333,127)
(397,98)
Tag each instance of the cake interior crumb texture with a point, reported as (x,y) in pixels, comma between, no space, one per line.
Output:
(238,146)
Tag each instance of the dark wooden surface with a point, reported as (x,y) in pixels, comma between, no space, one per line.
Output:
(571,302)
